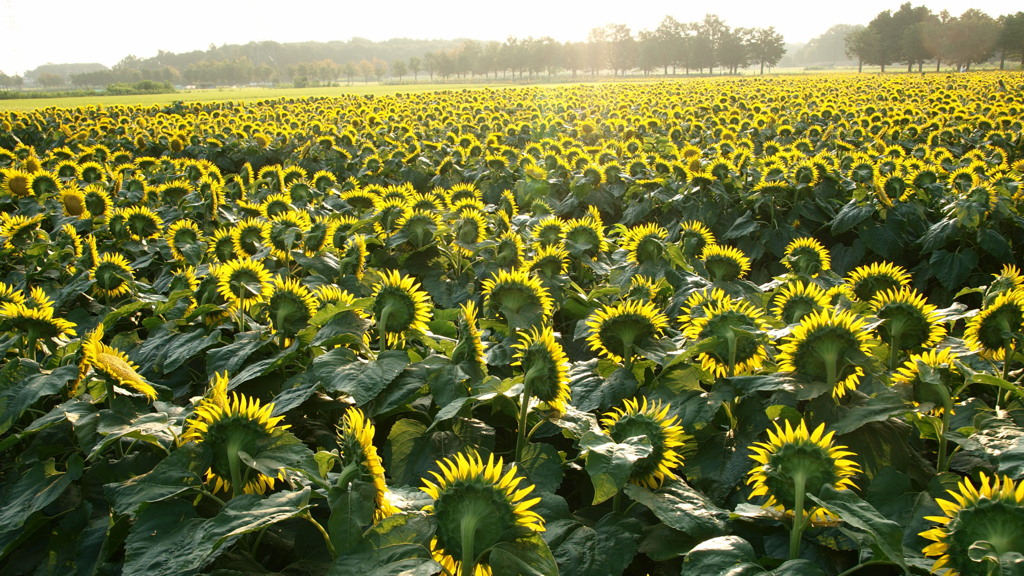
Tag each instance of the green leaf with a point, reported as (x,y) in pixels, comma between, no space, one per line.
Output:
(850,216)
(610,463)
(361,379)
(730,555)
(885,537)
(523,557)
(23,386)
(34,490)
(861,410)
(798,567)
(352,509)
(153,428)
(170,539)
(398,545)
(952,268)
(681,507)
(231,357)
(177,473)
(591,392)
(543,466)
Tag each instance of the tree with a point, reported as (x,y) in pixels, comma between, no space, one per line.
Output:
(1011,38)
(415,66)
(910,24)
(733,52)
(48,80)
(766,47)
(862,45)
(399,68)
(972,38)
(885,41)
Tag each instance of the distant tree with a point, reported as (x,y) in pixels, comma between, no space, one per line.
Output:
(430,64)
(733,49)
(366,69)
(707,40)
(380,68)
(886,37)
(399,68)
(935,36)
(766,47)
(598,50)
(415,66)
(573,55)
(350,70)
(972,38)
(909,24)
(862,45)
(48,80)
(1011,38)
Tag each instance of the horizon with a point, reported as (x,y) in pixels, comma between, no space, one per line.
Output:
(106,31)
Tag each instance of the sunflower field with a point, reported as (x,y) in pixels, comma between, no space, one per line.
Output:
(713,326)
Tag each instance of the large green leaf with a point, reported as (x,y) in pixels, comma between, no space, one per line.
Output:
(352,509)
(681,507)
(730,555)
(36,488)
(177,473)
(23,385)
(360,379)
(610,463)
(884,536)
(169,538)
(398,545)
(523,557)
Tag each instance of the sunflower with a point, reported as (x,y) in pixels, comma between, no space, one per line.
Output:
(987,518)
(645,243)
(584,237)
(806,257)
(827,346)
(419,227)
(355,437)
(794,300)
(507,251)
(290,306)
(469,349)
(243,282)
(724,263)
(622,330)
(142,223)
(20,232)
(97,200)
(930,375)
(34,321)
(545,367)
(284,232)
(1008,279)
(400,306)
(477,506)
(548,261)
(353,257)
(795,462)
(221,246)
(112,275)
(548,231)
(17,182)
(870,279)
(10,295)
(249,236)
(229,428)
(468,228)
(651,421)
(72,201)
(739,331)
(909,321)
(184,235)
(996,329)
(518,298)
(694,236)
(113,364)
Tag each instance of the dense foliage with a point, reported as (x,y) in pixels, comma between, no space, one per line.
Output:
(744,326)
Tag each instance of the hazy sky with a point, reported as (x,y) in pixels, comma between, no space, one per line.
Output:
(35,32)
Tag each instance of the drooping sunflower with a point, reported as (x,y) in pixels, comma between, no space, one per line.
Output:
(507,251)
(516,297)
(419,227)
(469,349)
(620,330)
(20,232)
(931,377)
(994,330)
(34,322)
(870,279)
(1007,280)
(989,517)
(112,275)
(290,306)
(97,200)
(243,282)
(355,438)
(794,300)
(724,263)
(909,321)
(284,232)
(400,306)
(221,246)
(827,346)
(739,329)
(806,257)
(113,365)
(795,462)
(694,236)
(468,228)
(183,240)
(10,295)
(644,244)
(584,237)
(637,417)
(229,427)
(545,367)
(477,506)
(353,257)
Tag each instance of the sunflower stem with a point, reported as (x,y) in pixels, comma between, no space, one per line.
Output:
(468,534)
(234,464)
(943,461)
(383,327)
(730,340)
(799,522)
(894,348)
(323,532)
(524,410)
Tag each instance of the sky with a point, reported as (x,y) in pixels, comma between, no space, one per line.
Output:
(36,32)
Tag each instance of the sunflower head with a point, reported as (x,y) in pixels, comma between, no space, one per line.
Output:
(355,437)
(739,332)
(827,346)
(19,232)
(794,300)
(548,231)
(931,376)
(400,306)
(477,506)
(797,460)
(243,282)
(724,263)
(18,182)
(230,427)
(870,279)
(637,417)
(989,518)
(142,223)
(584,237)
(806,257)
(72,200)
(469,349)
(694,236)
(113,365)
(184,241)
(518,298)
(997,328)
(644,244)
(909,321)
(548,261)
(291,305)
(545,367)
(112,275)
(621,330)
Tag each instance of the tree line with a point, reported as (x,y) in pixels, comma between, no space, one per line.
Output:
(914,36)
